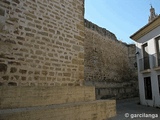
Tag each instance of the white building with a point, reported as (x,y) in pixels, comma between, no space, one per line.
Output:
(148,60)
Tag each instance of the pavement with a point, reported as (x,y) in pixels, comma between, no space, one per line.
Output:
(130,109)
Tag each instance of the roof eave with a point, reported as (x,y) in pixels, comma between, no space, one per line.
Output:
(147,28)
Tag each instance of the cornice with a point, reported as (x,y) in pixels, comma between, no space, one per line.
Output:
(146,29)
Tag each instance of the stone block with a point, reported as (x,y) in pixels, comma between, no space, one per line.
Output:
(91,110)
(3,67)
(2,12)
(16,97)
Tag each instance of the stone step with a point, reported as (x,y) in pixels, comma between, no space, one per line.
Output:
(90,110)
(17,97)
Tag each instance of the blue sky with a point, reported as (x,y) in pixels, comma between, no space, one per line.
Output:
(122,17)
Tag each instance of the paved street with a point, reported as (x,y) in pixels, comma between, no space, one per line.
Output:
(134,111)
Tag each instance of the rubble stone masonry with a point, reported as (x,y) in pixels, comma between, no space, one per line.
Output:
(106,58)
(109,63)
(41,42)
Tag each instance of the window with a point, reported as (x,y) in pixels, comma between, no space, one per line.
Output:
(159,83)
(158,50)
(157,39)
(145,56)
(148,88)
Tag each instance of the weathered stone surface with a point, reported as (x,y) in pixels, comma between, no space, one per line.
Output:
(92,110)
(36,36)
(28,96)
(107,60)
(2,12)
(3,67)
(13,70)
(42,62)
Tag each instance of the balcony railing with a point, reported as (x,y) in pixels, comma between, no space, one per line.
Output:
(156,60)
(144,63)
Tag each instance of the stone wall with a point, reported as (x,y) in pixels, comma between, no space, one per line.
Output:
(41,42)
(41,46)
(47,43)
(132,57)
(114,90)
(109,61)
(58,103)
(31,96)
(95,110)
(106,58)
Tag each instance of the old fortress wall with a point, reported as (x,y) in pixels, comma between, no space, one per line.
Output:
(52,59)
(109,63)
(42,63)
(42,47)
(104,54)
(41,42)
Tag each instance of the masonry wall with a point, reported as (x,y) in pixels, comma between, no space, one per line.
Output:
(94,110)
(132,57)
(109,63)
(58,102)
(41,42)
(106,58)
(31,96)
(42,63)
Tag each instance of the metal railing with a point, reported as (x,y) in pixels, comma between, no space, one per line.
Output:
(156,60)
(144,63)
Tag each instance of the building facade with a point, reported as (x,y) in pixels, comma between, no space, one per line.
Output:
(148,58)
